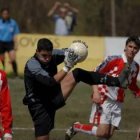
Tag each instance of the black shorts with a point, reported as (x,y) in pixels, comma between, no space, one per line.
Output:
(43,115)
(6,46)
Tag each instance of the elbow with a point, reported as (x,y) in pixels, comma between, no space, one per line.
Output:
(49,15)
(96,100)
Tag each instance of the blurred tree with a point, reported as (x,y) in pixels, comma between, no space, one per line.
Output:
(94,16)
(127,17)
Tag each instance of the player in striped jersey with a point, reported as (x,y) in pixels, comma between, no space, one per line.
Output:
(107,113)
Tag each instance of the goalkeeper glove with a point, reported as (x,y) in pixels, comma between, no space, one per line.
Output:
(70,60)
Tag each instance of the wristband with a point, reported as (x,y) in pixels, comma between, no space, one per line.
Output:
(66,69)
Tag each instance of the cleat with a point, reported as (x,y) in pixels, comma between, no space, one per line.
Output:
(123,77)
(7,136)
(70,132)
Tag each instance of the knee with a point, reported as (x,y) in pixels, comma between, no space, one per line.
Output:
(104,134)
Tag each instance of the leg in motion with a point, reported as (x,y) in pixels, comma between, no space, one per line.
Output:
(91,78)
(12,57)
(2,59)
(94,78)
(43,137)
(101,131)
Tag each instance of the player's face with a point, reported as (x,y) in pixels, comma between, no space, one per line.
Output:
(131,50)
(63,12)
(44,56)
(5,14)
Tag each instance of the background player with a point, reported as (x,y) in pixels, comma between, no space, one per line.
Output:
(8,31)
(6,118)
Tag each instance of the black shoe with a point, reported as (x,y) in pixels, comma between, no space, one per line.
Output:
(70,132)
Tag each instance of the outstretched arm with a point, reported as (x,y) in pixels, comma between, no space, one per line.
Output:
(54,8)
(136,90)
(133,85)
(71,8)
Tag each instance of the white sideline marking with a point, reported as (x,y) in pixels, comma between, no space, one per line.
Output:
(126,131)
(60,129)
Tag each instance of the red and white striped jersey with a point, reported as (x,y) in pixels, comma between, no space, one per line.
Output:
(113,66)
(5,106)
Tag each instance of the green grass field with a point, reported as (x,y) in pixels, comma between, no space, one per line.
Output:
(77,109)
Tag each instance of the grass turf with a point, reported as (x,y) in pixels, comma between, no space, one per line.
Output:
(77,109)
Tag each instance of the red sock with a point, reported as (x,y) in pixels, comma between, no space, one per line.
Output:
(85,128)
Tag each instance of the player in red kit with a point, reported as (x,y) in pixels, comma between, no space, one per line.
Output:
(5,108)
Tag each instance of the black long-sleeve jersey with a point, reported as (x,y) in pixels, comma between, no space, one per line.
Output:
(40,85)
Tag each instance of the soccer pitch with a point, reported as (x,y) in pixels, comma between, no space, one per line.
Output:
(77,109)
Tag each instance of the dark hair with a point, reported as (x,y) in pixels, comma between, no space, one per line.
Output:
(134,39)
(5,9)
(44,44)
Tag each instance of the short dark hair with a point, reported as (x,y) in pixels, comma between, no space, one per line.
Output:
(44,44)
(134,39)
(5,9)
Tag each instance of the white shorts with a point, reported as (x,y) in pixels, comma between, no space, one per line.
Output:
(110,113)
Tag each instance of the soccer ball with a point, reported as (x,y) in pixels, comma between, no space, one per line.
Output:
(81,49)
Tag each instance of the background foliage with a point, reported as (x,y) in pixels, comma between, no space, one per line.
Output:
(94,16)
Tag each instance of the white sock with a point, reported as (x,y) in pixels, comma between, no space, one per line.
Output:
(94,130)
